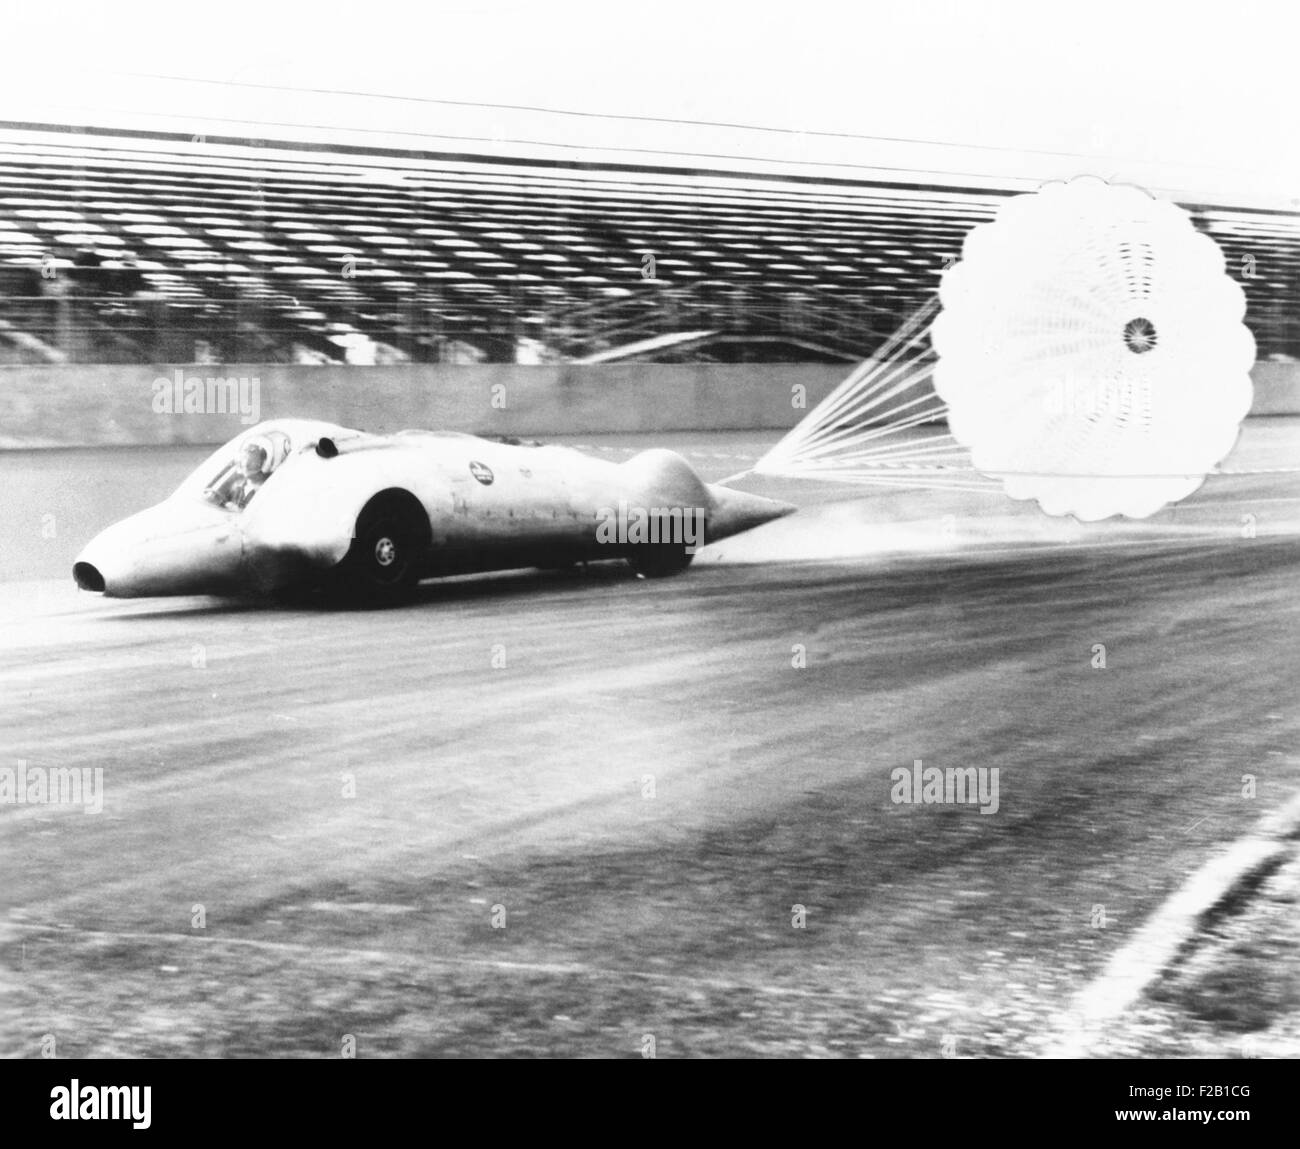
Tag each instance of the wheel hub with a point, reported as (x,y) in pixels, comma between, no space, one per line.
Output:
(385,552)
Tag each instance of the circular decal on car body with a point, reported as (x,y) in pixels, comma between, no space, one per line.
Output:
(482,472)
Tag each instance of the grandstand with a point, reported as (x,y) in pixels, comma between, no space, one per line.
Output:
(124,247)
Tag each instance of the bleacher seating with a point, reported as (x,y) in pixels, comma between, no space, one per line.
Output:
(152,248)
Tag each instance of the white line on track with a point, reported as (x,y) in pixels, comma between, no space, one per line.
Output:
(1158,941)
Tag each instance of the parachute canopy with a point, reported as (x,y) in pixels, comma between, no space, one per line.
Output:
(1091,350)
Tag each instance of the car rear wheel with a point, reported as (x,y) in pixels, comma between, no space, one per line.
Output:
(659,560)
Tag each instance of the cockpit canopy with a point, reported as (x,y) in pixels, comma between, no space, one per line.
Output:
(233,474)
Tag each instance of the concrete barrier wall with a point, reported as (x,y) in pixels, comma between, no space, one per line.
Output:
(87,406)
(1277,388)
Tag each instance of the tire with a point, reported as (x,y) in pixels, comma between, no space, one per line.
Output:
(659,560)
(383,563)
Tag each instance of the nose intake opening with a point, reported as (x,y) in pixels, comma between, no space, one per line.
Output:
(88,577)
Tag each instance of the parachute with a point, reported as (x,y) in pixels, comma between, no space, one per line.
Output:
(1090,355)
(1091,351)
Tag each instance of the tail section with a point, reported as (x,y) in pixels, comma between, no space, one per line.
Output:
(665,479)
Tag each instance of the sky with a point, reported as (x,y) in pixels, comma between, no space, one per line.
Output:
(1195,97)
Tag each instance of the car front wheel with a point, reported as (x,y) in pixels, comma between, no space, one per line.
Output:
(382,565)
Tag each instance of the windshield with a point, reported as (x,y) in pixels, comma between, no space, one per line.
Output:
(232,476)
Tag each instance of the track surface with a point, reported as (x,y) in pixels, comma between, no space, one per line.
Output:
(638,778)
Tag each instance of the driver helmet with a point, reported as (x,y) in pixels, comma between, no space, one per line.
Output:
(256,451)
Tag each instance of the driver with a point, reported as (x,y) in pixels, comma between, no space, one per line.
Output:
(252,460)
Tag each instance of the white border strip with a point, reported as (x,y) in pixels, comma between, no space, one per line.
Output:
(1139,962)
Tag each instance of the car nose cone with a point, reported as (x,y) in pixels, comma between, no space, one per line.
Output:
(170,549)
